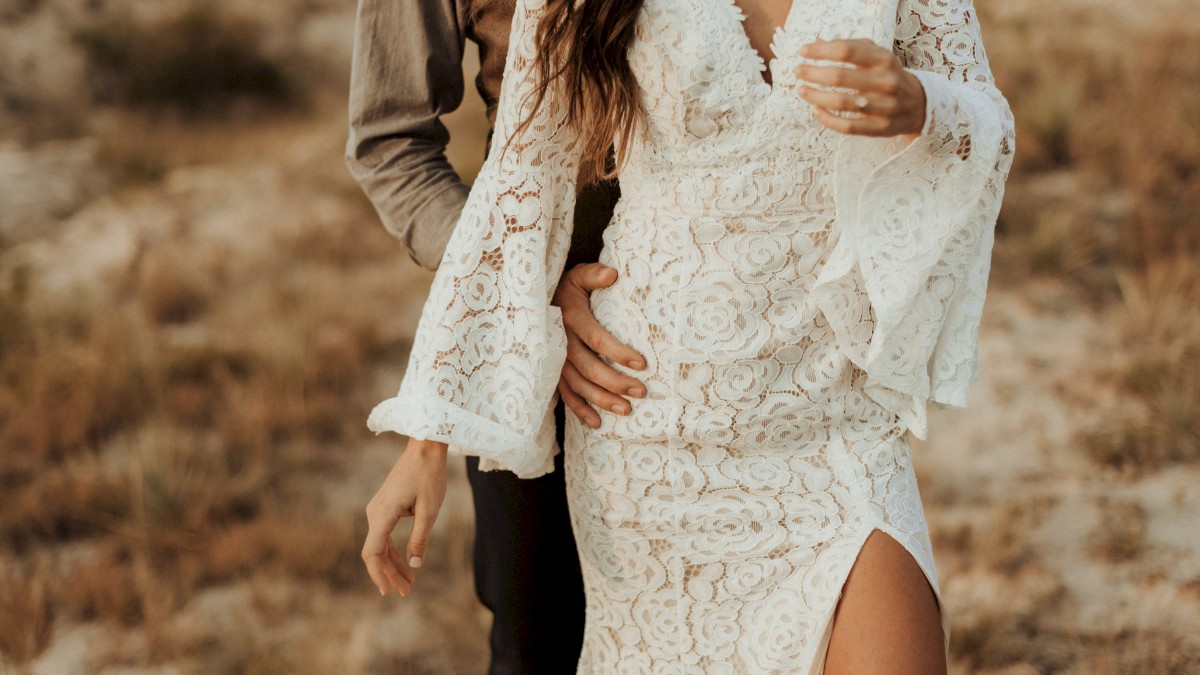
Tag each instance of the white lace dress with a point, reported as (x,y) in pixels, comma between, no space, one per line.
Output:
(800,296)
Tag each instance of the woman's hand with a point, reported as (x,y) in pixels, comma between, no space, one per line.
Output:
(415,487)
(586,378)
(890,100)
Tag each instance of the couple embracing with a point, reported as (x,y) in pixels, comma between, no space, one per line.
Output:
(744,332)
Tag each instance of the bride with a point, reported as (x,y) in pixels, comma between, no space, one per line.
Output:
(803,239)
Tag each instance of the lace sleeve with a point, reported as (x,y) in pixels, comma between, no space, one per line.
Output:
(489,346)
(918,226)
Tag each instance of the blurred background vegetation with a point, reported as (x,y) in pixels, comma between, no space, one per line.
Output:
(198,308)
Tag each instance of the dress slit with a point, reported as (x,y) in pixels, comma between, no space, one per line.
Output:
(827,622)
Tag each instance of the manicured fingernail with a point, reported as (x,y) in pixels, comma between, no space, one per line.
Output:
(414,562)
(404,594)
(620,408)
(382,592)
(637,391)
(636,364)
(593,422)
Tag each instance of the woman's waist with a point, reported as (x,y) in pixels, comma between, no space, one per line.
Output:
(784,422)
(754,246)
(721,356)
(756,365)
(734,189)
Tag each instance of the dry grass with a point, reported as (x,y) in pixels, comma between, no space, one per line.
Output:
(63,394)
(1122,533)
(1106,191)
(1109,142)
(198,61)
(1143,653)
(183,446)
(1160,327)
(168,449)
(25,610)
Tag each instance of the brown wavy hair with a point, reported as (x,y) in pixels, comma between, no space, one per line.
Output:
(583,48)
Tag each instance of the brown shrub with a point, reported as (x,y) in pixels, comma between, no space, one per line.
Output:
(62,502)
(336,243)
(25,611)
(195,379)
(1005,542)
(1123,125)
(1160,329)
(65,394)
(174,286)
(1141,652)
(184,485)
(1121,535)
(1105,191)
(320,549)
(197,62)
(103,589)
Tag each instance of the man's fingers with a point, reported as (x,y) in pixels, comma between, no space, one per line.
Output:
(574,301)
(590,276)
(582,323)
(597,371)
(593,394)
(577,405)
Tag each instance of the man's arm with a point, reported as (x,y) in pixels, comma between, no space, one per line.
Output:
(406,72)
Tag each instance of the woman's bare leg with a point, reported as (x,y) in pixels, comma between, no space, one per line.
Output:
(887,621)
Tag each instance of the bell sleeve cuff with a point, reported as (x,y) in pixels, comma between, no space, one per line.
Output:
(489,347)
(903,290)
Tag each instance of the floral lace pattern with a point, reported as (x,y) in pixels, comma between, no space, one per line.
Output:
(800,297)
(703,559)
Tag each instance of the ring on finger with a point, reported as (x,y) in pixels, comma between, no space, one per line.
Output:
(860,102)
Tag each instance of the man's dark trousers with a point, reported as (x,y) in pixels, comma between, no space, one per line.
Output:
(526,563)
(527,569)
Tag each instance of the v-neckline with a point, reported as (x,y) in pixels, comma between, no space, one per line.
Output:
(739,19)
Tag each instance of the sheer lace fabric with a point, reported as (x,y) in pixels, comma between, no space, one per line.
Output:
(800,296)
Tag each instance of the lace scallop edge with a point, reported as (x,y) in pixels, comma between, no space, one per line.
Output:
(498,448)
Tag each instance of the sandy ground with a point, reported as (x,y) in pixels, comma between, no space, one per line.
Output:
(1048,561)
(1016,507)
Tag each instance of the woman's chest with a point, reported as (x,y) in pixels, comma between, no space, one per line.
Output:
(701,75)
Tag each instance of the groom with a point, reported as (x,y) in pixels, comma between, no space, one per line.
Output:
(407,71)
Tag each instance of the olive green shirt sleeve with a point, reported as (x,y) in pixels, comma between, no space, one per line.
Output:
(407,72)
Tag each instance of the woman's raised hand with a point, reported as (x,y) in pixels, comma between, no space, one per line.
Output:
(415,487)
(889,99)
